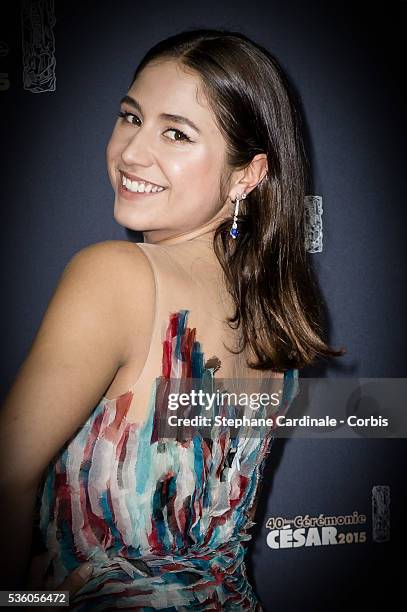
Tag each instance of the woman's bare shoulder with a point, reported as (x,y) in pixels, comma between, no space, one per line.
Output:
(100,308)
(123,271)
(112,250)
(119,265)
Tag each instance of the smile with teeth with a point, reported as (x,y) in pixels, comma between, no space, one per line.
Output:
(140,186)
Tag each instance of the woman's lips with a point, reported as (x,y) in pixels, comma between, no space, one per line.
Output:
(132,195)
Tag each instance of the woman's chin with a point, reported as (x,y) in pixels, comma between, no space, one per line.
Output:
(133,219)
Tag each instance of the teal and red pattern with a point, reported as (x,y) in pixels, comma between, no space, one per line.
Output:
(163,523)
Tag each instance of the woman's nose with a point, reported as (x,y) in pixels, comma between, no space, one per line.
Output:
(138,150)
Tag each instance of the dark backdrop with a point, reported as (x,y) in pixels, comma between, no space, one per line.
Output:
(346,60)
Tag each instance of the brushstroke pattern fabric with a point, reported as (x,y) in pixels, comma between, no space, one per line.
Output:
(165,524)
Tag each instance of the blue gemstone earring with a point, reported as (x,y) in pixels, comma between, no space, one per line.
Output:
(233,230)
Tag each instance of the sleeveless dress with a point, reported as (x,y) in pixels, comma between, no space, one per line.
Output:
(164,523)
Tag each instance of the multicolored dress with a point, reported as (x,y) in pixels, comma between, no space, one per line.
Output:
(164,523)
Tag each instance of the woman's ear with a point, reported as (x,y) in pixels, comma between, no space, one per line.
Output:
(255,172)
(247,179)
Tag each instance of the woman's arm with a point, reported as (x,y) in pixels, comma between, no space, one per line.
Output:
(85,336)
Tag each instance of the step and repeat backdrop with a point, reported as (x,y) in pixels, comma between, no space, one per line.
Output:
(330,519)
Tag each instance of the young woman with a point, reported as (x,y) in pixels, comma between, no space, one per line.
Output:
(207,160)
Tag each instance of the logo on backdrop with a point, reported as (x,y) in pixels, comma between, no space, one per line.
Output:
(4,76)
(381,513)
(38,48)
(321,530)
(38,45)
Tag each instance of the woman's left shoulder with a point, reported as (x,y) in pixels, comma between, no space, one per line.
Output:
(110,248)
(117,267)
(121,253)
(119,276)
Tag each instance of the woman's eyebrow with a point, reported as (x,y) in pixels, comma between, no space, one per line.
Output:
(176,118)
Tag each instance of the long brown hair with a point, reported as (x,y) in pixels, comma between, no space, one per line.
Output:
(266,269)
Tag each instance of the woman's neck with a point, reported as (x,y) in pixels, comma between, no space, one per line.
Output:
(203,233)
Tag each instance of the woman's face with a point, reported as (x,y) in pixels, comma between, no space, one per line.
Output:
(184,154)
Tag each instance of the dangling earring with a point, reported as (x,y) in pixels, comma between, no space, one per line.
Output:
(233,230)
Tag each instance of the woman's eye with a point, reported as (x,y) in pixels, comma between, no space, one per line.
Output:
(132,119)
(180,136)
(128,117)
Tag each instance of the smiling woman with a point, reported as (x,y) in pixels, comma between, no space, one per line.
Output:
(208,122)
(151,141)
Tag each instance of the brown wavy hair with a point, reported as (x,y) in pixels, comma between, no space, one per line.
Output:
(266,269)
